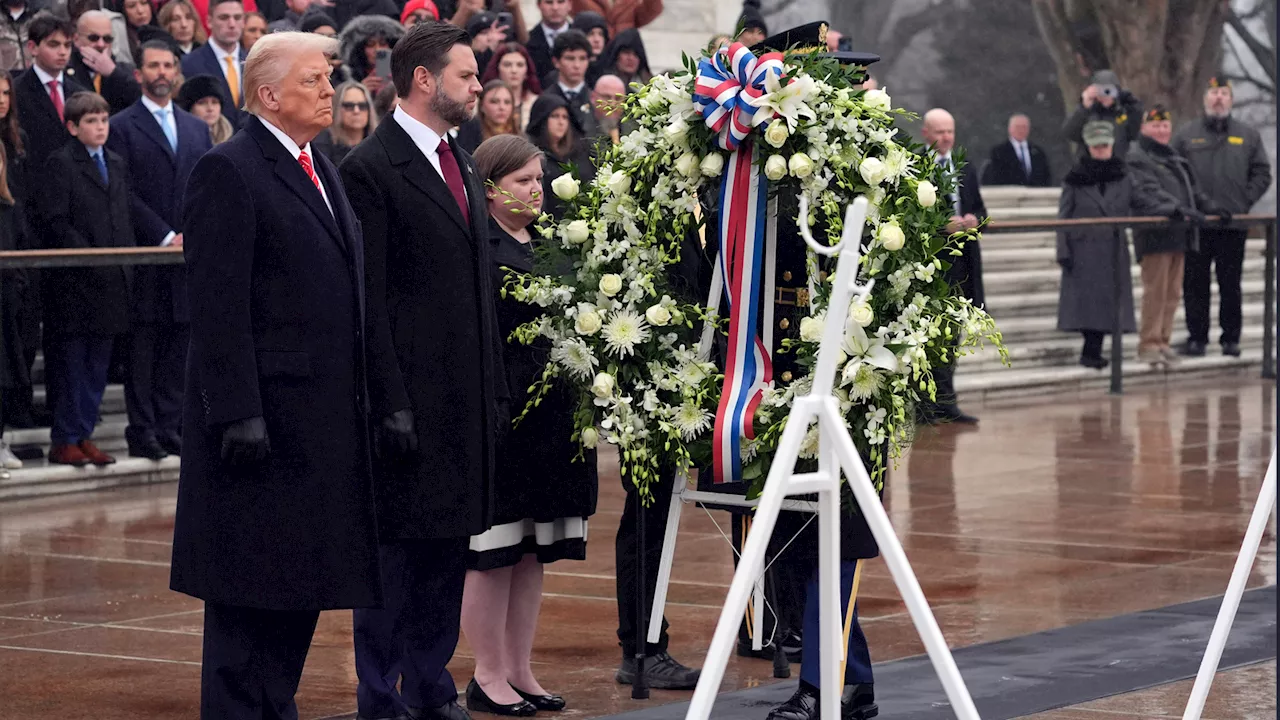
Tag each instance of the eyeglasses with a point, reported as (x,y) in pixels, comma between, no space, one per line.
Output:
(95,37)
(354,106)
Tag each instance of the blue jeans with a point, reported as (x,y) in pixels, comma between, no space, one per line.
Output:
(76,377)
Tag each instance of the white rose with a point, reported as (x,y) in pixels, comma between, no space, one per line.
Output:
(588,323)
(565,187)
(872,171)
(926,193)
(611,284)
(687,165)
(776,134)
(657,315)
(811,328)
(577,231)
(801,165)
(602,386)
(861,313)
(892,237)
(676,132)
(619,183)
(775,168)
(713,164)
(877,100)
(590,438)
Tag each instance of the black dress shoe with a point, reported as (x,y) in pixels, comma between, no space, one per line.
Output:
(1193,348)
(1097,362)
(661,672)
(858,702)
(449,711)
(478,701)
(1230,348)
(148,448)
(172,444)
(803,705)
(549,703)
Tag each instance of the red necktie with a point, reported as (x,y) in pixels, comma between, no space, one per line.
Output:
(453,178)
(55,97)
(305,160)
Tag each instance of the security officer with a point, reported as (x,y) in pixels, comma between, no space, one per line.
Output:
(1230,164)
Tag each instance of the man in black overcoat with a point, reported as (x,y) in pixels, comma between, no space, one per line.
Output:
(49,44)
(275,519)
(965,273)
(160,144)
(1017,160)
(436,388)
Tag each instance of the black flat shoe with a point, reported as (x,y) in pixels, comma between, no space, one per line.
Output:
(1097,362)
(550,703)
(1231,349)
(479,702)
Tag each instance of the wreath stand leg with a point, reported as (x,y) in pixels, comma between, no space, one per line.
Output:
(837,456)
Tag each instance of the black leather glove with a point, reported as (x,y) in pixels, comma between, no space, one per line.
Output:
(1191,215)
(245,443)
(397,436)
(1066,263)
(1224,216)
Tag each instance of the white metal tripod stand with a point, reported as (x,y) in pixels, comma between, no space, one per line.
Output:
(836,454)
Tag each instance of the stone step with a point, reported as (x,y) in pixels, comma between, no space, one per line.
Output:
(999,257)
(1003,284)
(44,480)
(1030,329)
(1001,197)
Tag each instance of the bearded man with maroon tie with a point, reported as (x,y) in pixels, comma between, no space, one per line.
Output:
(437,393)
(275,518)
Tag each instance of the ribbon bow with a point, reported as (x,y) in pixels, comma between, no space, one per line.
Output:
(726,84)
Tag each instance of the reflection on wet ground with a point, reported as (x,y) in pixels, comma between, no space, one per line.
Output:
(1049,514)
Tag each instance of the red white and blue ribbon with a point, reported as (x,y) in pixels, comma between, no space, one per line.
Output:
(724,85)
(744,198)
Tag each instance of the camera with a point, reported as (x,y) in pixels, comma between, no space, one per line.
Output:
(1110,91)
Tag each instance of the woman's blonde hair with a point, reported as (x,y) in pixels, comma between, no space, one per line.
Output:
(171,8)
(341,91)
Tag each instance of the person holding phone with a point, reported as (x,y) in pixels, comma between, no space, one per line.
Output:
(363,41)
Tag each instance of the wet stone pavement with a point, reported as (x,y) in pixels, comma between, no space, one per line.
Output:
(1050,514)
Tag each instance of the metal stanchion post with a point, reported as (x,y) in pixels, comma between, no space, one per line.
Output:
(1269,304)
(1121,261)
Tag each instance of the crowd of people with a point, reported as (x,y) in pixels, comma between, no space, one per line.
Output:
(301,152)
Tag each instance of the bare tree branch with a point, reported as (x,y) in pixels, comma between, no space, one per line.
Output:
(1266,56)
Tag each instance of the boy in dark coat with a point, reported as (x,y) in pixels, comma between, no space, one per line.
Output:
(86,206)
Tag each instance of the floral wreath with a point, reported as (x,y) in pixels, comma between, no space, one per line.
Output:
(624,340)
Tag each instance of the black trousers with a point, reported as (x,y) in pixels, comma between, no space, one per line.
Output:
(1223,248)
(153,387)
(412,638)
(252,662)
(1092,343)
(655,524)
(21,328)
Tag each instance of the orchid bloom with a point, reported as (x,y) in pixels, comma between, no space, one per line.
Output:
(787,101)
(862,349)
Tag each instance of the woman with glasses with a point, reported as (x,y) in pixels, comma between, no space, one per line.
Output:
(354,120)
(494,116)
(178,18)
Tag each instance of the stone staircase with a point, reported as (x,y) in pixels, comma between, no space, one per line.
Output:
(1022,281)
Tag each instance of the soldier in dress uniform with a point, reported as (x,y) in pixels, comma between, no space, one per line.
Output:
(792,580)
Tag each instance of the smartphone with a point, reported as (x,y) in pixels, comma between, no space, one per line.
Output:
(382,64)
(505,19)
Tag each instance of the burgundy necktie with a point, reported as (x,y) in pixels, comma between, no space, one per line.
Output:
(55,97)
(453,178)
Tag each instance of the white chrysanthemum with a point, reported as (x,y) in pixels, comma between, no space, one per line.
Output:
(866,383)
(691,420)
(576,357)
(624,331)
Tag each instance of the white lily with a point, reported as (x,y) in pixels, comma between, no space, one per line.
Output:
(787,101)
(865,350)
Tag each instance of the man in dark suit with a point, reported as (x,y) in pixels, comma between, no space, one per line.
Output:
(160,144)
(1017,161)
(43,89)
(572,58)
(86,205)
(275,519)
(222,57)
(542,38)
(92,64)
(968,212)
(431,316)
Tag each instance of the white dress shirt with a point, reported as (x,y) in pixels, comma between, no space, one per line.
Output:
(425,138)
(46,78)
(1024,154)
(153,108)
(295,151)
(222,56)
(553,33)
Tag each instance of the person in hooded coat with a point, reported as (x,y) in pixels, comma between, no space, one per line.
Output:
(568,148)
(626,58)
(359,43)
(1097,187)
